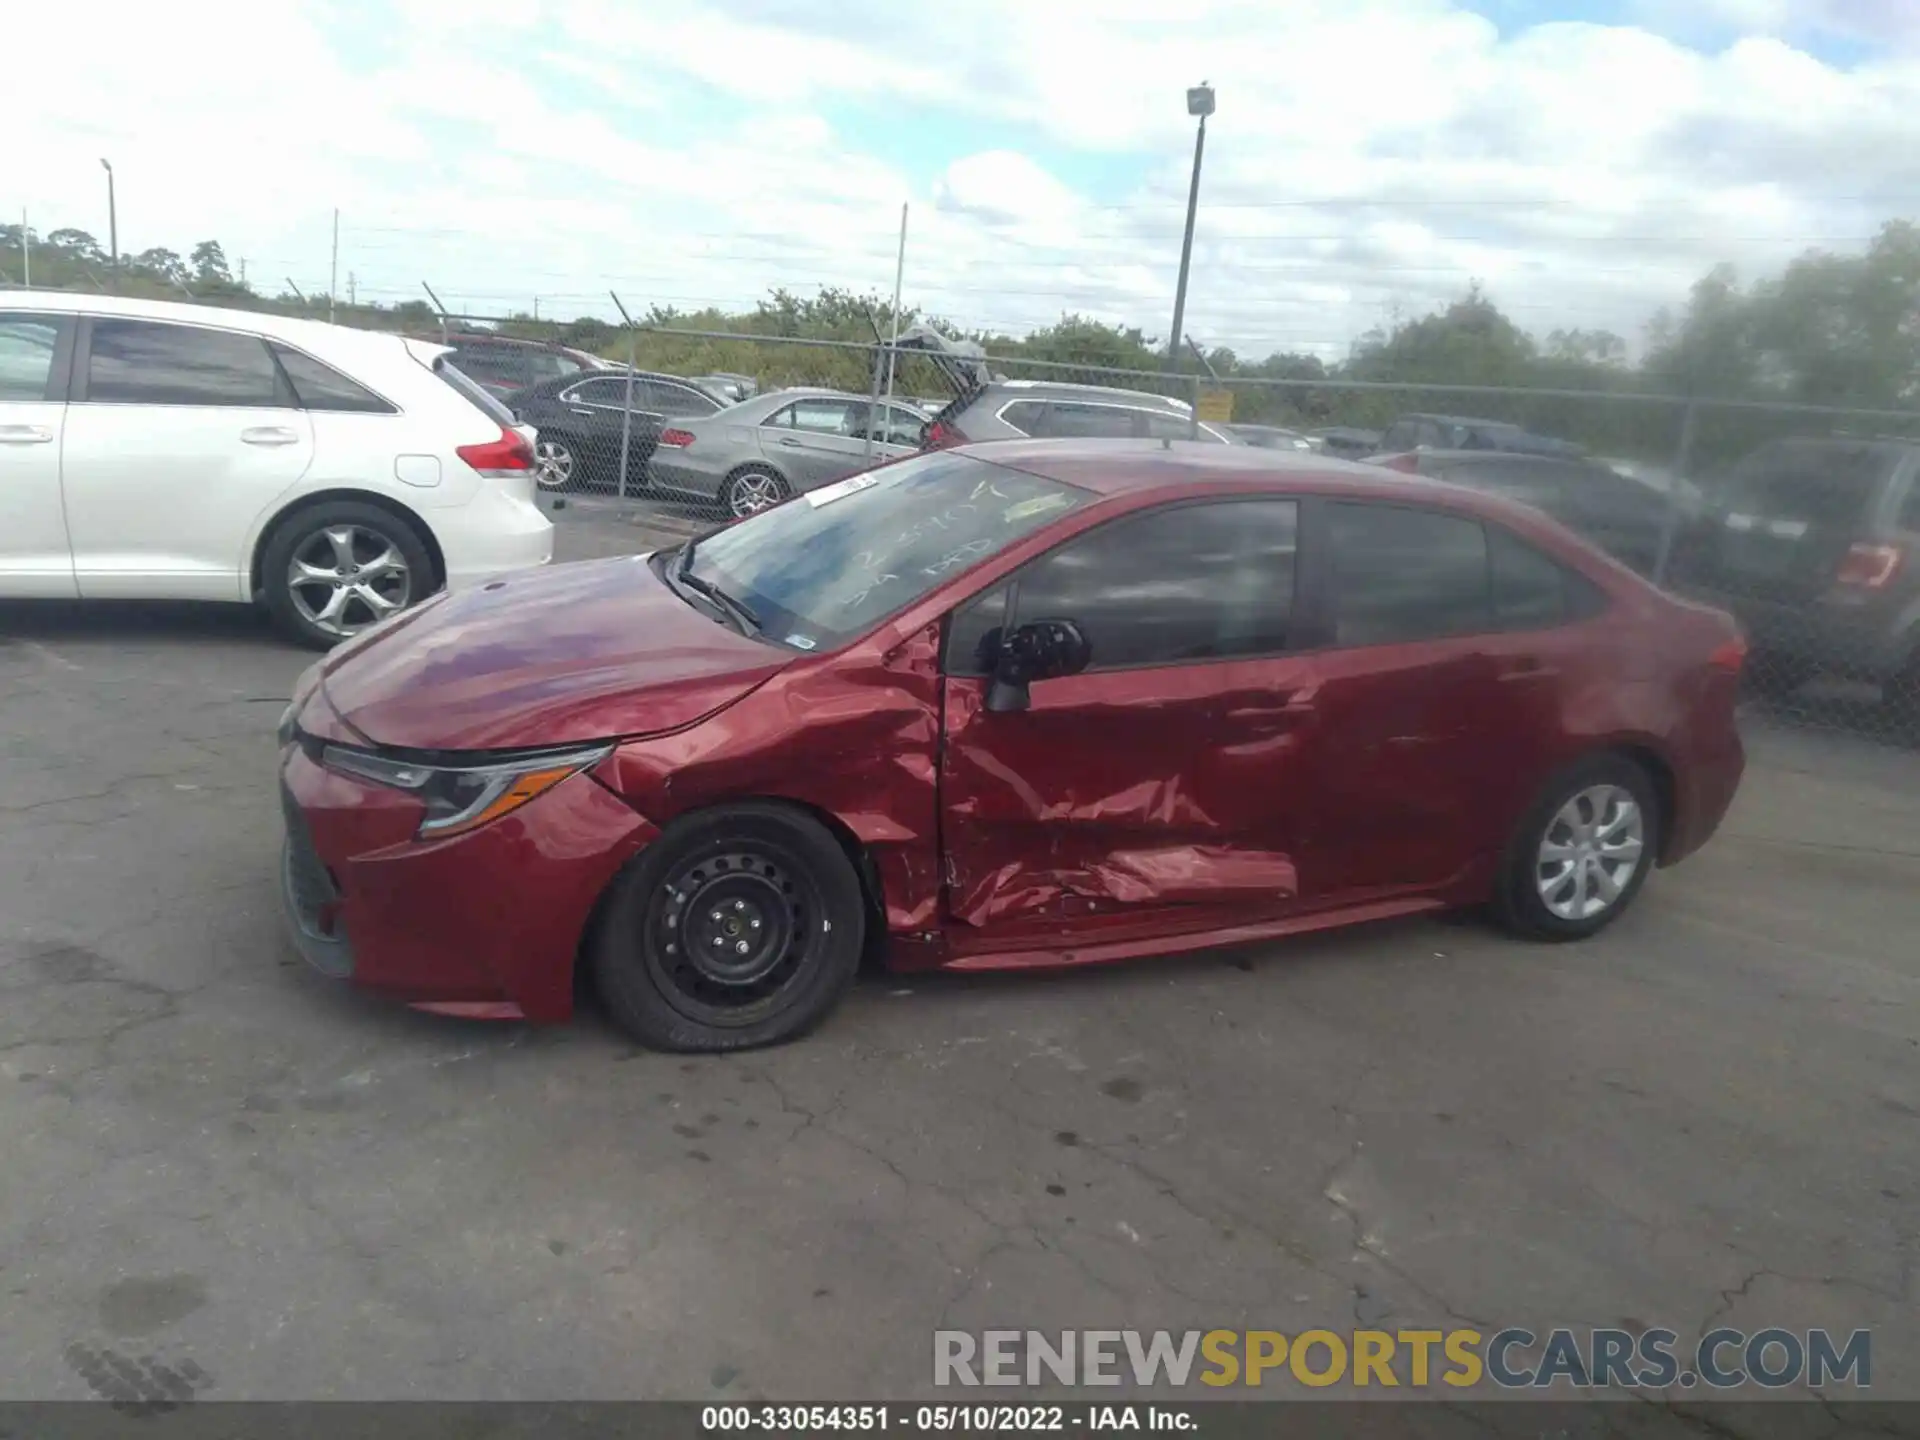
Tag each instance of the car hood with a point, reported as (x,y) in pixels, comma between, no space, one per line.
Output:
(555,656)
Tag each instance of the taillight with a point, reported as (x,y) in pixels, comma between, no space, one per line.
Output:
(509,455)
(1731,655)
(677,439)
(939,435)
(1870,567)
(1408,464)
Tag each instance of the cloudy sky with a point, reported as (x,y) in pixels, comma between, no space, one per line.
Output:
(1586,159)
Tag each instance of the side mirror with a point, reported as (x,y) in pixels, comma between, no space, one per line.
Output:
(1035,650)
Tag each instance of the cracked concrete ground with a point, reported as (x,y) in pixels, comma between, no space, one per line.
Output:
(230,1174)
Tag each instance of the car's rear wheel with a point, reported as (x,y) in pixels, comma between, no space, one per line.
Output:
(1579,857)
(739,926)
(752,490)
(555,466)
(331,570)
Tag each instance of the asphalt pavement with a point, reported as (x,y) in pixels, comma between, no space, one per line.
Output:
(222,1170)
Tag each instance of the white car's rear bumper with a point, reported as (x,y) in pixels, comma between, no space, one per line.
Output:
(494,532)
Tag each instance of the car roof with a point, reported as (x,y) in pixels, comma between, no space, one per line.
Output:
(1460,420)
(293,329)
(1118,467)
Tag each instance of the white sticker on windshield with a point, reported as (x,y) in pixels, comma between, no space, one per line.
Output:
(839,490)
(802,642)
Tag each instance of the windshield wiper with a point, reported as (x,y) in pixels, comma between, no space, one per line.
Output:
(743,618)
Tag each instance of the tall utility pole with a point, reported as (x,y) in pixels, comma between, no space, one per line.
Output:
(353,292)
(113,218)
(333,275)
(1199,102)
(243,272)
(26,251)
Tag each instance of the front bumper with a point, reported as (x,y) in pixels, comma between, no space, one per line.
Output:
(490,921)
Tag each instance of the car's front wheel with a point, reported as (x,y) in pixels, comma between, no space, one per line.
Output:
(331,570)
(1581,854)
(555,465)
(750,491)
(740,926)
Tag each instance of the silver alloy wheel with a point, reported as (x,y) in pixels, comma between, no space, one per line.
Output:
(552,465)
(1590,852)
(345,577)
(753,492)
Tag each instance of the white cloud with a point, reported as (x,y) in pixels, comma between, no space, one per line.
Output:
(1367,155)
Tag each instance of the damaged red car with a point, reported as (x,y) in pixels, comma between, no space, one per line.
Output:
(1024,704)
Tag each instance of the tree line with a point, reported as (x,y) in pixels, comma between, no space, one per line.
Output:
(1839,330)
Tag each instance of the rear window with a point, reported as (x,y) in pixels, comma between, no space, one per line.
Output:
(479,398)
(1808,481)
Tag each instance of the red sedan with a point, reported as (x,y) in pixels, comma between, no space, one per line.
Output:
(1023,704)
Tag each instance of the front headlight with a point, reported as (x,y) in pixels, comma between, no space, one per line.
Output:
(460,798)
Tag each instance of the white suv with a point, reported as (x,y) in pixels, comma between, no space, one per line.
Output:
(151,450)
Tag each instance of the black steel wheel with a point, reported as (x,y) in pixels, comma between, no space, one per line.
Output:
(738,927)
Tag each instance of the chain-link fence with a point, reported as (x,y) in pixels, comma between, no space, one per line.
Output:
(1804,522)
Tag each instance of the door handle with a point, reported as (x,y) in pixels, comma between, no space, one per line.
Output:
(269,435)
(25,434)
(583,414)
(789,440)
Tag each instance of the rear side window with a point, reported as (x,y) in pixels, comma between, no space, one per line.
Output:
(1190,582)
(26,356)
(1076,418)
(138,362)
(1532,591)
(488,362)
(678,400)
(550,365)
(1024,415)
(321,387)
(1402,574)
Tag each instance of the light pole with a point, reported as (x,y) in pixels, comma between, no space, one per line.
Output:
(113,220)
(1199,102)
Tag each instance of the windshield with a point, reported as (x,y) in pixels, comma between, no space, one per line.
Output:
(834,562)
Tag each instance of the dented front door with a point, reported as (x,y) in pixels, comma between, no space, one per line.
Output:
(1167,797)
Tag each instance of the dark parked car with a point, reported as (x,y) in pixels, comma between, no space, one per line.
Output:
(504,365)
(1815,545)
(1019,409)
(579,419)
(1460,432)
(1007,706)
(1623,517)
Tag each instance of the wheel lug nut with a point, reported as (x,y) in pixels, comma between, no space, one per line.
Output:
(755,924)
(718,940)
(741,947)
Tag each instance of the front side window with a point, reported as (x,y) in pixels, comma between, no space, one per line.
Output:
(1400,574)
(832,563)
(26,356)
(1189,582)
(321,387)
(139,362)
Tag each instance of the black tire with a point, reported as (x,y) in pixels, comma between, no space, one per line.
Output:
(558,465)
(1518,902)
(733,494)
(778,883)
(305,532)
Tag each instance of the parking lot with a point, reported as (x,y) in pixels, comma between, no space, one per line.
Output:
(227,1173)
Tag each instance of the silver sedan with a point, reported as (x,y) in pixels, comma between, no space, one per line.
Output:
(757,453)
